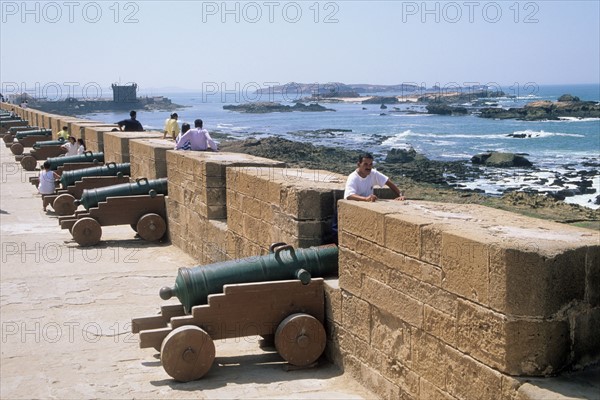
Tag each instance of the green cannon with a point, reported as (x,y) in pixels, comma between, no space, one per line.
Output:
(28,138)
(272,296)
(193,285)
(111,169)
(91,197)
(33,132)
(88,156)
(47,143)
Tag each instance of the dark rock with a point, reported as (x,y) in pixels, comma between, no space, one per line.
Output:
(597,200)
(268,107)
(400,156)
(383,107)
(381,100)
(546,110)
(501,160)
(568,97)
(444,109)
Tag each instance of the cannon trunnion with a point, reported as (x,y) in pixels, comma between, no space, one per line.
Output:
(260,300)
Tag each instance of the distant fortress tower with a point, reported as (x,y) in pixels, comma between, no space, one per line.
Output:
(124,94)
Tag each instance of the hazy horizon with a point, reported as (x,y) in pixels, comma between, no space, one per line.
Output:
(187,45)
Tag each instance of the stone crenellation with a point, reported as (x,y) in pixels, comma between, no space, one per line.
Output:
(433,300)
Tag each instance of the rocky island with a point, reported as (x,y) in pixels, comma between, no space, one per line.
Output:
(268,107)
(567,106)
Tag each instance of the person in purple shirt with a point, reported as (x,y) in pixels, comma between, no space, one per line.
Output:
(197,139)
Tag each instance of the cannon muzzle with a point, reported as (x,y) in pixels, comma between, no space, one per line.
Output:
(194,285)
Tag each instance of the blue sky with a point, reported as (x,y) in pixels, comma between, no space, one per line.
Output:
(191,44)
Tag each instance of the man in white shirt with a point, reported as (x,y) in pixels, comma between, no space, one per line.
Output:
(198,139)
(360,183)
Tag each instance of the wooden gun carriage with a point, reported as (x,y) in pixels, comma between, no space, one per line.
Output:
(246,297)
(140,204)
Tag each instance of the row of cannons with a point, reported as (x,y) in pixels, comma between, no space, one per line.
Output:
(278,296)
(105,190)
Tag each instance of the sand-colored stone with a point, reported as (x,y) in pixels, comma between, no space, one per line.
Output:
(148,157)
(116,144)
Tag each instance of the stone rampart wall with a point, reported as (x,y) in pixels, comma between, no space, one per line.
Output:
(451,301)
(433,301)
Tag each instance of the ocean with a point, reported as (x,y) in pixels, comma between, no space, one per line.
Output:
(565,149)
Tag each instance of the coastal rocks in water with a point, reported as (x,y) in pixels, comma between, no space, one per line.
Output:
(444,109)
(381,100)
(500,160)
(400,155)
(547,110)
(268,107)
(383,106)
(442,96)
(568,97)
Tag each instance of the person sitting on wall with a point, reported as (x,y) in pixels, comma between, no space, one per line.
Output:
(80,146)
(48,178)
(360,183)
(63,134)
(70,146)
(171,126)
(131,124)
(184,128)
(198,139)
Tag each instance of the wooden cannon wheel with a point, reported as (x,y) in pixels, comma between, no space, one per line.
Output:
(29,163)
(187,353)
(63,204)
(16,149)
(151,227)
(300,339)
(87,231)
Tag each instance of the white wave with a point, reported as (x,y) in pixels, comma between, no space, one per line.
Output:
(575,119)
(543,134)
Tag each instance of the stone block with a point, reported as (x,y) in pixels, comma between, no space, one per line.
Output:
(403,234)
(592,276)
(431,295)
(586,337)
(392,301)
(361,221)
(439,324)
(465,265)
(429,391)
(529,283)
(350,273)
(513,346)
(391,336)
(357,314)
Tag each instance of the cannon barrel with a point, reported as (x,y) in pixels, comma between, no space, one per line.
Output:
(33,132)
(193,285)
(88,156)
(58,142)
(14,129)
(91,197)
(111,169)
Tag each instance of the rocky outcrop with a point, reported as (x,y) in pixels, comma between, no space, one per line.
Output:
(268,107)
(381,100)
(444,109)
(500,160)
(458,96)
(568,107)
(568,97)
